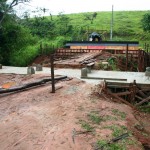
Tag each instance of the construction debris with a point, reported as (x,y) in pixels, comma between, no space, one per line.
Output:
(75,133)
(123,136)
(39,67)
(129,93)
(29,85)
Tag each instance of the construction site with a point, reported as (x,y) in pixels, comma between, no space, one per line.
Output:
(88,95)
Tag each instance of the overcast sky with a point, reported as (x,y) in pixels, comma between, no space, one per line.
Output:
(76,6)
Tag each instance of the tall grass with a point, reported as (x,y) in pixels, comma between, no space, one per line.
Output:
(24,56)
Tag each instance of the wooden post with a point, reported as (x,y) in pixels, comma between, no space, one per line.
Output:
(52,73)
(127,57)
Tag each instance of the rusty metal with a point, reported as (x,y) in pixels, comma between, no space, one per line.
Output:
(127,57)
(52,72)
(131,94)
(139,57)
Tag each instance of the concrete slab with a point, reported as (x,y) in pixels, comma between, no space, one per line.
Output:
(130,76)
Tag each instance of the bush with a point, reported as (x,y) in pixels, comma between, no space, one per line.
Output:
(24,56)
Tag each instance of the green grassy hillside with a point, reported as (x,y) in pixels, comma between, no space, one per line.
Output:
(127,25)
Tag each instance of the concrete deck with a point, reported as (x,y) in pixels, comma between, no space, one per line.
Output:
(130,76)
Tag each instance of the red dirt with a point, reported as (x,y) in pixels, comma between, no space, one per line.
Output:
(39,120)
(74,61)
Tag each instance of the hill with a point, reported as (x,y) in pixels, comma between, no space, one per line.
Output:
(127,24)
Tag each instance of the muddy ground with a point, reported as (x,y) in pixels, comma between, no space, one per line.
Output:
(74,118)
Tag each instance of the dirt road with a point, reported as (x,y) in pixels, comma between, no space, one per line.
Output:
(39,120)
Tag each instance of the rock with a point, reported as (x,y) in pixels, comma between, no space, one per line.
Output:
(34,65)
(30,70)
(105,63)
(39,67)
(147,72)
(148,69)
(88,69)
(83,72)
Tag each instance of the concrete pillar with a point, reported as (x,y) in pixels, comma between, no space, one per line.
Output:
(147,72)
(88,69)
(0,66)
(39,67)
(83,72)
(30,70)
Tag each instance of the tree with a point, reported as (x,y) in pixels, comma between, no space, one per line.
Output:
(90,17)
(40,25)
(13,36)
(146,22)
(63,24)
(6,7)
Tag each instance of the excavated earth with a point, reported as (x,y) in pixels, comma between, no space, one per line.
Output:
(36,119)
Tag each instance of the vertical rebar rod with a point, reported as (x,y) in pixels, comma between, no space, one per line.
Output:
(52,72)
(127,57)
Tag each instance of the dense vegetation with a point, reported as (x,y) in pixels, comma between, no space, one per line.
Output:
(20,39)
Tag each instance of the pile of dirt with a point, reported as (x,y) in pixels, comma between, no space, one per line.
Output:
(42,59)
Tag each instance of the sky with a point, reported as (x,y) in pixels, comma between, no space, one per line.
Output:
(77,6)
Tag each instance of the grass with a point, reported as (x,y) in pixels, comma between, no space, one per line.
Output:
(127,25)
(24,57)
(102,144)
(95,118)
(92,124)
(121,144)
(109,117)
(86,126)
(146,110)
(117,130)
(119,113)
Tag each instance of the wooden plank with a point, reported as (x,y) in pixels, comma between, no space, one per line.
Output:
(138,97)
(143,101)
(133,47)
(96,47)
(100,78)
(30,85)
(78,47)
(142,93)
(90,64)
(119,98)
(148,106)
(123,93)
(118,86)
(116,47)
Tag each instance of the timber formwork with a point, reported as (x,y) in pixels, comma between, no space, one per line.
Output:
(132,94)
(139,57)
